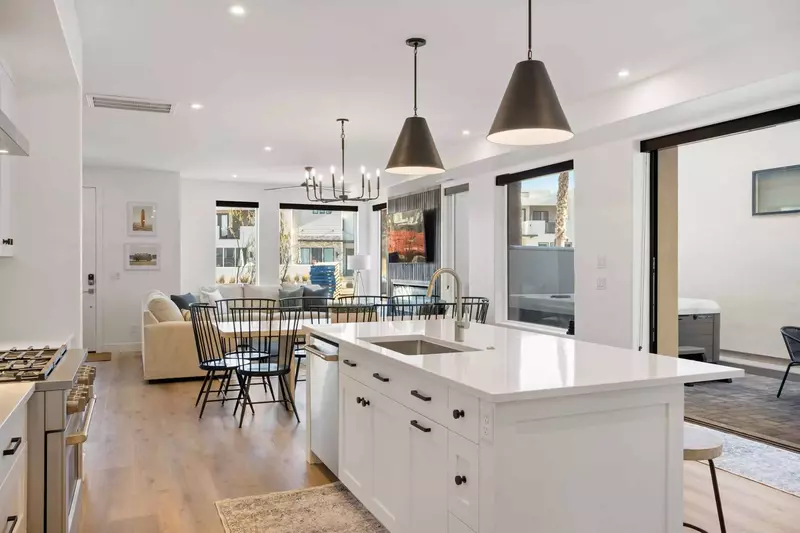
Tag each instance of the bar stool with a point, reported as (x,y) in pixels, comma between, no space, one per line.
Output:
(703,445)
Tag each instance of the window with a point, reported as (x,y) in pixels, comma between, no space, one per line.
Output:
(541,271)
(237,242)
(309,236)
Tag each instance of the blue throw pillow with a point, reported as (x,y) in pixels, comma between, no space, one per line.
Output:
(291,296)
(183,300)
(315,296)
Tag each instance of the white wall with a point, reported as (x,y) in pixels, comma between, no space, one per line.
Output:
(120,291)
(748,265)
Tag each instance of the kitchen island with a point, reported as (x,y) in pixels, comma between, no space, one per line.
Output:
(507,431)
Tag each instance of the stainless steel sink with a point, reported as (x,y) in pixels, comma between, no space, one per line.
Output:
(417,347)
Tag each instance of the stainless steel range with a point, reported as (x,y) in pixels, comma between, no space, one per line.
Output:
(59,414)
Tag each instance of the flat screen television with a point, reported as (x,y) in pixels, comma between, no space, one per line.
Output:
(407,242)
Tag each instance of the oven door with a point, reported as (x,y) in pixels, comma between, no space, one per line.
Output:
(77,433)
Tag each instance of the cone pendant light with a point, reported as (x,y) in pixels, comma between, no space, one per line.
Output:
(530,112)
(415,152)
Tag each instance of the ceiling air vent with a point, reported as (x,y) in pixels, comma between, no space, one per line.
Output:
(129,104)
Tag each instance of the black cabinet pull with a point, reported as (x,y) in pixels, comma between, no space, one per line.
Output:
(13,521)
(349,363)
(458,413)
(416,394)
(359,399)
(380,378)
(419,427)
(15,444)
(460,480)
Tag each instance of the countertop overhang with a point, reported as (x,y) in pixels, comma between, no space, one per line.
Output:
(513,365)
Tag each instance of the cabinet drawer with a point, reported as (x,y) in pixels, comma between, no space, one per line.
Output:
(13,436)
(423,395)
(13,494)
(462,469)
(463,414)
(454,525)
(356,365)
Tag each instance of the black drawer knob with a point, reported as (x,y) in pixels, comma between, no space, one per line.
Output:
(458,413)
(13,446)
(359,399)
(460,480)
(364,402)
(380,378)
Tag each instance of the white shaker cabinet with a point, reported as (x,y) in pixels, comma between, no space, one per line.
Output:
(355,438)
(428,470)
(390,465)
(6,162)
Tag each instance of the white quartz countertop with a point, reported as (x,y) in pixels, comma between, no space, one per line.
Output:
(11,396)
(510,365)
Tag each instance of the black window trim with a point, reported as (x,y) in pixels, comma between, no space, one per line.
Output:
(237,204)
(320,207)
(556,168)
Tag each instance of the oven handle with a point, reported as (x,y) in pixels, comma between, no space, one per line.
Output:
(80,438)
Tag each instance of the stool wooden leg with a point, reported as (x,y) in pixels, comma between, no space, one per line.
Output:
(716,495)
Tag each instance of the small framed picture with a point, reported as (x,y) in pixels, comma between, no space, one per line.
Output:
(141,219)
(142,256)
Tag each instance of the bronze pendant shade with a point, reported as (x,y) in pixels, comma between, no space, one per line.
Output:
(414,151)
(530,113)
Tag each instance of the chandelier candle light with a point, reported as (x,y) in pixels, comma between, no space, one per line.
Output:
(315,191)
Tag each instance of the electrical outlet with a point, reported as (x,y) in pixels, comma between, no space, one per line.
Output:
(601,284)
(487,422)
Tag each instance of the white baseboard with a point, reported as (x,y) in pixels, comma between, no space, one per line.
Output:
(119,347)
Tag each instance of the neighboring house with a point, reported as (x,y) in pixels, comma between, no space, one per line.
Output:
(538,212)
(318,237)
(236,248)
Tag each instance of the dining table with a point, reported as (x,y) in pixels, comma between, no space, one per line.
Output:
(229,330)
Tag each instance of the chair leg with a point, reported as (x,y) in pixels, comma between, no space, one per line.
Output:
(785,375)
(202,389)
(264,383)
(271,392)
(291,399)
(297,371)
(716,495)
(224,384)
(247,395)
(208,390)
(239,396)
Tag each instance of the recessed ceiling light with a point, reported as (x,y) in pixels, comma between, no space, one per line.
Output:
(268,148)
(237,10)
(624,73)
(3,151)
(234,176)
(197,106)
(465,132)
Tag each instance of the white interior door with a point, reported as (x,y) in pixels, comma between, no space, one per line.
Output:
(89,273)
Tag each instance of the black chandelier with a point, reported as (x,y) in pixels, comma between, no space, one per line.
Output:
(316,192)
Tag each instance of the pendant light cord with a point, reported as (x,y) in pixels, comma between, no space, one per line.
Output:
(415,79)
(530,43)
(342,121)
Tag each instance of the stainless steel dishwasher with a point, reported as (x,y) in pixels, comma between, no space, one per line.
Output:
(322,400)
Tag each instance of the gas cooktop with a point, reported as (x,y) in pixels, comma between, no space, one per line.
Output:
(29,364)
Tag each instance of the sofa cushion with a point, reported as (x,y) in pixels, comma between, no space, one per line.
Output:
(183,300)
(291,292)
(230,290)
(164,309)
(262,291)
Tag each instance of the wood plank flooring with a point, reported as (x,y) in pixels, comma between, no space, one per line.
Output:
(153,467)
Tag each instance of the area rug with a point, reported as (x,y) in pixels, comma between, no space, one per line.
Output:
(326,509)
(748,407)
(759,462)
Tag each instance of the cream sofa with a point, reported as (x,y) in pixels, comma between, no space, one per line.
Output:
(168,346)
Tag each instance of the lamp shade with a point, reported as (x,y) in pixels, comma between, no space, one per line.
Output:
(358,262)
(415,152)
(530,113)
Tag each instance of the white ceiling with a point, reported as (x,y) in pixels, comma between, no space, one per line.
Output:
(283,73)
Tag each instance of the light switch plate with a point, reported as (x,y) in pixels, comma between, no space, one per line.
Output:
(601,284)
(601,261)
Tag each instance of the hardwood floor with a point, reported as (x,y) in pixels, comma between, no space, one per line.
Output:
(153,467)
